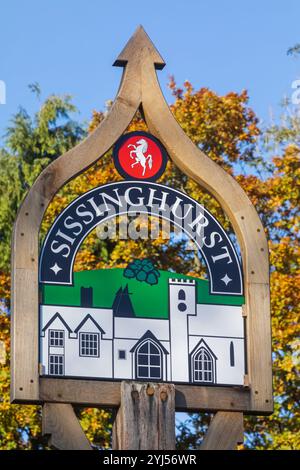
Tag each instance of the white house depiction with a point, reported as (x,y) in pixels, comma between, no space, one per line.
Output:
(198,343)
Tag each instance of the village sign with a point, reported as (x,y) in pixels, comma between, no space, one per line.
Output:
(77,335)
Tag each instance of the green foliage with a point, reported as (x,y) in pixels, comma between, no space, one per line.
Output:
(286,132)
(50,134)
(143,270)
(192,430)
(31,144)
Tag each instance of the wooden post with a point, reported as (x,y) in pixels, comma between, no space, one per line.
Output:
(146,417)
(2,352)
(63,428)
(225,431)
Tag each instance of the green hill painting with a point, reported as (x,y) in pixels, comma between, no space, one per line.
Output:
(148,301)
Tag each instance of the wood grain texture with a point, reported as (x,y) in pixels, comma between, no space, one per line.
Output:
(61,426)
(108,394)
(140,86)
(24,354)
(146,417)
(259,344)
(225,432)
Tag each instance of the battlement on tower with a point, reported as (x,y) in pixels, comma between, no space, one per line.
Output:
(182,282)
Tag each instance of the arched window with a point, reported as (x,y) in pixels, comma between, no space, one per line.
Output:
(203,366)
(181,295)
(149,361)
(181,298)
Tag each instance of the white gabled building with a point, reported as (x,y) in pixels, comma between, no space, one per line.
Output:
(198,343)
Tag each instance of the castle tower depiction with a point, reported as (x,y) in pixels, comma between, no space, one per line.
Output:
(182,302)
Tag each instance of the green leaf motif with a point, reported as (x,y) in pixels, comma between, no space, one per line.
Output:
(143,270)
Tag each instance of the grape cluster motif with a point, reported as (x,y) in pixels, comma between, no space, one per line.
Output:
(142,270)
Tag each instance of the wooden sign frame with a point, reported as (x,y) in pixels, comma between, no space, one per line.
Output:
(140,89)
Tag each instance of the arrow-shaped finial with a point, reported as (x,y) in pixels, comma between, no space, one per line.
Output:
(137,45)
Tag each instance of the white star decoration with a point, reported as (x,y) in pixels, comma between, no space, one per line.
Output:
(56,269)
(226,279)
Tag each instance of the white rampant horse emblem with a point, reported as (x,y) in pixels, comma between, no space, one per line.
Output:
(138,154)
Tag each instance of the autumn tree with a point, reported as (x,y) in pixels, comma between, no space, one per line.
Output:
(227,130)
(30,145)
(273,186)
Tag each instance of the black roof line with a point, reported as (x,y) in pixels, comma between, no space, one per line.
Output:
(89,317)
(206,346)
(57,315)
(149,335)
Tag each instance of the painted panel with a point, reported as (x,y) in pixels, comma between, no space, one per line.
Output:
(178,331)
(217,320)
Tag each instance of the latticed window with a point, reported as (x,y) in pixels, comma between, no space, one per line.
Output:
(89,344)
(56,364)
(149,361)
(57,338)
(203,366)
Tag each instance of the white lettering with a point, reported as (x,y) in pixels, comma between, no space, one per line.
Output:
(110,198)
(61,234)
(73,225)
(95,207)
(161,200)
(200,222)
(60,248)
(222,256)
(212,238)
(129,201)
(116,460)
(179,214)
(84,213)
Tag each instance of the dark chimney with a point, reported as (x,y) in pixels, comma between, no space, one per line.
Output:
(86,294)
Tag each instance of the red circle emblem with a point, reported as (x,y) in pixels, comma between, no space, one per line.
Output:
(139,155)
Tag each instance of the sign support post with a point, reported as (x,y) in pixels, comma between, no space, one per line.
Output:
(62,428)
(225,431)
(146,417)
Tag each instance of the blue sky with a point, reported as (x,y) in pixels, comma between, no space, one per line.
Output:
(69,46)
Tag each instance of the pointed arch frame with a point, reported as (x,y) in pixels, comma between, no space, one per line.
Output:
(136,359)
(202,345)
(140,89)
